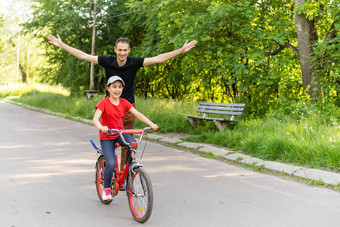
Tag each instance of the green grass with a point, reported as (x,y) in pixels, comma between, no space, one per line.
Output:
(53,98)
(165,113)
(306,142)
(313,141)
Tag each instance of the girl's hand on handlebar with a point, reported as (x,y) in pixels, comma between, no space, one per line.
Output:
(154,127)
(104,129)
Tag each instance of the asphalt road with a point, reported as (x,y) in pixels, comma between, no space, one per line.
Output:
(47,179)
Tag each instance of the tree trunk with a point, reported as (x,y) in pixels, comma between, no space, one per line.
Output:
(23,74)
(306,35)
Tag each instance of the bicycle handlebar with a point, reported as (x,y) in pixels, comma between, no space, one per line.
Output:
(113,132)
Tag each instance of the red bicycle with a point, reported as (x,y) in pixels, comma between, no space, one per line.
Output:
(138,187)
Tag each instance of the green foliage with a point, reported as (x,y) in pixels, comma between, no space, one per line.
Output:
(45,96)
(246,50)
(18,45)
(157,109)
(73,20)
(232,61)
(21,90)
(1,25)
(326,58)
(70,19)
(311,141)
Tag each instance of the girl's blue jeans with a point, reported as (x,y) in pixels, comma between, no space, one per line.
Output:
(108,147)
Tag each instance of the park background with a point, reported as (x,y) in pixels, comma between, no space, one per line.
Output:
(280,57)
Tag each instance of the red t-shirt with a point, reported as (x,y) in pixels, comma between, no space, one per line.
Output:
(112,115)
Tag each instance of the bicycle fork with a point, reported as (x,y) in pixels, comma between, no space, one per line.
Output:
(134,166)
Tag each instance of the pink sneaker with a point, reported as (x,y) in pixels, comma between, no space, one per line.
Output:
(106,195)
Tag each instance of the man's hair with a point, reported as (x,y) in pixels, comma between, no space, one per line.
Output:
(122,40)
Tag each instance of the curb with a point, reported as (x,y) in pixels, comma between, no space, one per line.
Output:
(320,176)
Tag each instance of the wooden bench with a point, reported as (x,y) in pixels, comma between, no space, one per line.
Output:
(206,108)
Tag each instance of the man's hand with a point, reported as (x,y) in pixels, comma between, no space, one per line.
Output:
(75,52)
(55,41)
(188,46)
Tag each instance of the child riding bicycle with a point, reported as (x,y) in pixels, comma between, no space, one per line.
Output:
(111,110)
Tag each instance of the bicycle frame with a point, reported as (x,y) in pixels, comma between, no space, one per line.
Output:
(139,186)
(122,175)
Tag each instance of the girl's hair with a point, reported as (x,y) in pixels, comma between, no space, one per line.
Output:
(122,40)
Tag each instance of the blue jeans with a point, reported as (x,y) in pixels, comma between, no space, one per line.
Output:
(108,147)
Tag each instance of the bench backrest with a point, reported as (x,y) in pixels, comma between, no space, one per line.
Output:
(221,108)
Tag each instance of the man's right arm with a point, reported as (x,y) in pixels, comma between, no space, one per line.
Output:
(75,52)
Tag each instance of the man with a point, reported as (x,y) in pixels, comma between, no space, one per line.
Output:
(123,66)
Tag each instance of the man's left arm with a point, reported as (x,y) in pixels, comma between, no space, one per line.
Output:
(167,56)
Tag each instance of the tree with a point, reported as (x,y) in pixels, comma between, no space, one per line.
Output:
(72,19)
(14,42)
(248,51)
(232,61)
(307,14)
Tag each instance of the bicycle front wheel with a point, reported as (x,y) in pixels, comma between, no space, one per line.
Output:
(140,195)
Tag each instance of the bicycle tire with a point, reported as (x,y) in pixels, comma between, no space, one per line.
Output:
(100,169)
(140,203)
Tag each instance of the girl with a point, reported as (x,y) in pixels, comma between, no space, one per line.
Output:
(112,110)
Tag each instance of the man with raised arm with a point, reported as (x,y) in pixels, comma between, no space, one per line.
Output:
(123,66)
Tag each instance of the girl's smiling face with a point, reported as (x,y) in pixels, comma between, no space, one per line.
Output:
(115,89)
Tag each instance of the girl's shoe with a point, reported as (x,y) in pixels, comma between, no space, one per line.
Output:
(106,195)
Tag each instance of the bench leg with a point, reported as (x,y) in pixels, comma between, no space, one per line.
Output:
(220,125)
(192,121)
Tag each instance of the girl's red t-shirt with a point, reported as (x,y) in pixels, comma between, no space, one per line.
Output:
(112,115)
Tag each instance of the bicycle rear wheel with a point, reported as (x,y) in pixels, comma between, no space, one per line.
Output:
(100,168)
(141,202)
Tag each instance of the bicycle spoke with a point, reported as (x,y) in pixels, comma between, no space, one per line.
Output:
(141,202)
(100,169)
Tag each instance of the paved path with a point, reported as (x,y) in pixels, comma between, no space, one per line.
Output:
(47,179)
